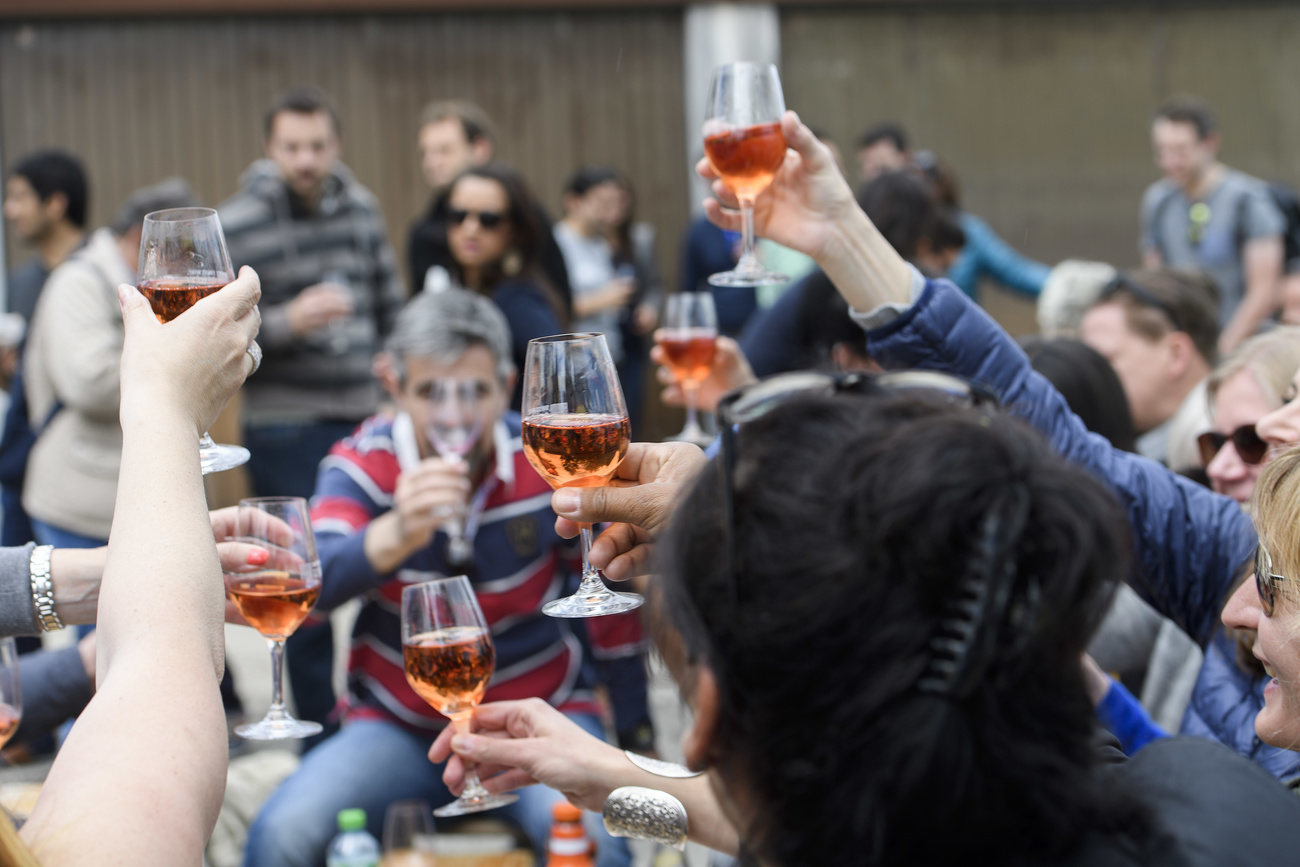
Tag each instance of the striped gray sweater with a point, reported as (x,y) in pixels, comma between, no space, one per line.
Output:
(324,375)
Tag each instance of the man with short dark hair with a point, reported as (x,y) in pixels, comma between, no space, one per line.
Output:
(1203,214)
(45,204)
(882,148)
(1159,330)
(456,135)
(330,295)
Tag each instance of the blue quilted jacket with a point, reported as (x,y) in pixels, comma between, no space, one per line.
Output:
(1190,543)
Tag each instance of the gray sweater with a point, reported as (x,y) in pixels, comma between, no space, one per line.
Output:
(17,613)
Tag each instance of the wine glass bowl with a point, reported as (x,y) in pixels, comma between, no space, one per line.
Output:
(449,658)
(745,145)
(576,432)
(453,427)
(183,258)
(276,596)
(689,340)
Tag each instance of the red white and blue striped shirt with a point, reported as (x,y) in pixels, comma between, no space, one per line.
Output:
(519,565)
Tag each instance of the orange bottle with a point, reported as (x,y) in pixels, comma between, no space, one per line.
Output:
(569,846)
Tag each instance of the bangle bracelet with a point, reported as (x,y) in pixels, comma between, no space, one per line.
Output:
(646,814)
(43,589)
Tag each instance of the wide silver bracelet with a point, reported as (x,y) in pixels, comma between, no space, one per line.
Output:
(43,589)
(646,814)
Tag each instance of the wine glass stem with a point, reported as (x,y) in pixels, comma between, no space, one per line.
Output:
(747,257)
(591,582)
(692,389)
(277,677)
(473,786)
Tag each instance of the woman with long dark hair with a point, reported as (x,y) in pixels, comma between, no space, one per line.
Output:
(494,238)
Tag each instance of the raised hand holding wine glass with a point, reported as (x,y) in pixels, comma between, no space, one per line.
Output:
(575,433)
(183,258)
(449,659)
(689,340)
(276,597)
(744,143)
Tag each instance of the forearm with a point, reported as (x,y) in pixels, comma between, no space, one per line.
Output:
(173,608)
(864,268)
(1258,304)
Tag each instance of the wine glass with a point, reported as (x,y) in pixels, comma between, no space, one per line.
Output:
(336,332)
(449,659)
(11,697)
(576,433)
(689,338)
(454,425)
(744,143)
(276,597)
(409,835)
(183,258)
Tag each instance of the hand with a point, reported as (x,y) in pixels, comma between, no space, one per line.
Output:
(427,496)
(806,202)
(317,306)
(640,500)
(644,318)
(730,371)
(614,295)
(193,364)
(520,743)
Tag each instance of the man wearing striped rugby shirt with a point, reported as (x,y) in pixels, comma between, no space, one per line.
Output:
(383,501)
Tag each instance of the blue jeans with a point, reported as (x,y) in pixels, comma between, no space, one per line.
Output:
(283,460)
(370,764)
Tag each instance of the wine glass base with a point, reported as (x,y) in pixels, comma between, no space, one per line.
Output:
(278,729)
(464,806)
(219,458)
(593,604)
(747,278)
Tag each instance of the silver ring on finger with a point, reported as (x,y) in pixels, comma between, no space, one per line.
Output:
(254,352)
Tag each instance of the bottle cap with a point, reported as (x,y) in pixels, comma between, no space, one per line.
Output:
(353,819)
(566,812)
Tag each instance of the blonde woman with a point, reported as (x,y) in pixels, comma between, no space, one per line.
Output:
(1245,387)
(140,778)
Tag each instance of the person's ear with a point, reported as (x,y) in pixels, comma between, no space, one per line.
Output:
(699,742)
(1212,142)
(508,387)
(56,206)
(1182,352)
(385,371)
(481,150)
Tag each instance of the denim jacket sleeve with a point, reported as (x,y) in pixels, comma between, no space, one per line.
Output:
(1190,544)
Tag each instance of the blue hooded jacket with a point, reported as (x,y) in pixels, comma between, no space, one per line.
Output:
(1190,543)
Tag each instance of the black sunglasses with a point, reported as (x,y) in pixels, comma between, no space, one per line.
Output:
(753,401)
(1139,293)
(1250,448)
(487,219)
(1266,580)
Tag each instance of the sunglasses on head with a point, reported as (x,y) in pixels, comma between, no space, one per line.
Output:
(1266,580)
(751,402)
(1139,293)
(487,219)
(1250,448)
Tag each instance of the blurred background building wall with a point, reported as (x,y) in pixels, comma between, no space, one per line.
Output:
(1041,108)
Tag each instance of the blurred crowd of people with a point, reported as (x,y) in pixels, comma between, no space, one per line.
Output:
(1190,360)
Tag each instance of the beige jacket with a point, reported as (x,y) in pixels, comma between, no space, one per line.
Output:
(74,348)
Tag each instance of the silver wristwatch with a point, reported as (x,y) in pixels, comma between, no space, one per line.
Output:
(43,589)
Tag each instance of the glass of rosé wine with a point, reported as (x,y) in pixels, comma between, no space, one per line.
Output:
(183,258)
(453,427)
(745,145)
(276,596)
(449,657)
(688,340)
(11,698)
(575,434)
